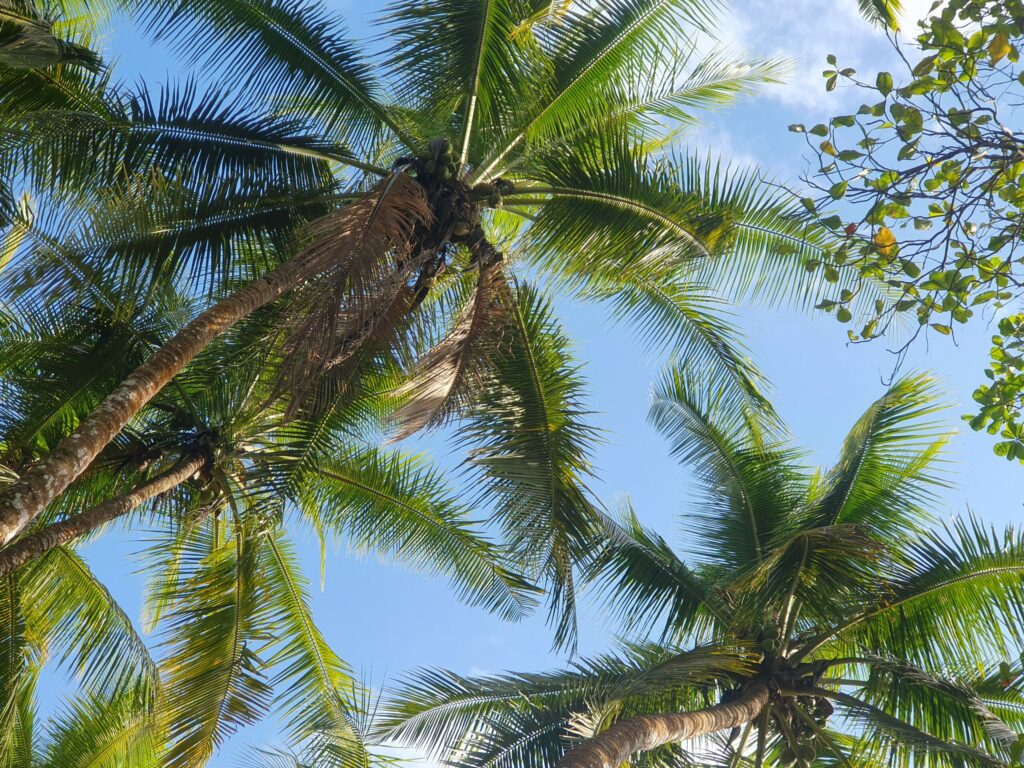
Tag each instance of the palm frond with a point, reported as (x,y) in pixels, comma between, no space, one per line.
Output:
(95,731)
(446,712)
(460,65)
(28,40)
(884,480)
(597,47)
(749,479)
(89,632)
(884,13)
(447,374)
(530,445)
(643,582)
(18,672)
(942,704)
(902,743)
(215,629)
(355,252)
(401,508)
(286,46)
(315,689)
(960,587)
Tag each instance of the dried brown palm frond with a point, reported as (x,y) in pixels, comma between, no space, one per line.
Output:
(360,258)
(446,374)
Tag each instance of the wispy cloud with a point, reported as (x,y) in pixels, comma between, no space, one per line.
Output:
(806,31)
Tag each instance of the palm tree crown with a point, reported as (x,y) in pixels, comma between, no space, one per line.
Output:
(824,612)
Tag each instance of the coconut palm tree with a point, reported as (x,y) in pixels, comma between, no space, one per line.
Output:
(821,617)
(494,141)
(219,479)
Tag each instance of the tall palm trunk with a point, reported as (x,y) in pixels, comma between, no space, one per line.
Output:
(41,542)
(614,747)
(385,217)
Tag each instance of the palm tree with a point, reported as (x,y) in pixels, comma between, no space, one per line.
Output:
(822,616)
(218,479)
(397,209)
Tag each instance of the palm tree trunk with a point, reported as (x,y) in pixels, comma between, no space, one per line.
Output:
(369,227)
(41,542)
(24,499)
(615,746)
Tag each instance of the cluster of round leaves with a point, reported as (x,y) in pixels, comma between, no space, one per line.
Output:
(1001,401)
(922,188)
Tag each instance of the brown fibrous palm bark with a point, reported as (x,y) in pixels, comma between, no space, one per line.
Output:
(613,747)
(39,543)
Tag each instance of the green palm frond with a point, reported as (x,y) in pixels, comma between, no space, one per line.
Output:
(609,202)
(288,46)
(884,480)
(749,479)
(597,47)
(943,705)
(904,745)
(530,446)
(800,566)
(210,133)
(401,508)
(526,738)
(18,672)
(608,207)
(89,632)
(95,731)
(56,378)
(686,318)
(324,751)
(644,583)
(884,13)
(215,631)
(960,587)
(663,99)
(1004,699)
(7,231)
(150,231)
(315,690)
(183,131)
(441,710)
(66,95)
(461,66)
(28,40)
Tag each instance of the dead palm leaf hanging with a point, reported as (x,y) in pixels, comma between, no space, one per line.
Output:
(445,375)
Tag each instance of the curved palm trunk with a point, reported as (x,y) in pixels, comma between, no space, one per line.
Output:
(386,216)
(24,499)
(41,542)
(613,747)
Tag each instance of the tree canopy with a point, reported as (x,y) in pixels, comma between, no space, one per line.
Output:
(922,189)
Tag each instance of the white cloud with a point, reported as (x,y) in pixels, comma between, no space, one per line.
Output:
(806,31)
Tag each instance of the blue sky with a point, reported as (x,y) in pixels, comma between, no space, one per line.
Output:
(385,620)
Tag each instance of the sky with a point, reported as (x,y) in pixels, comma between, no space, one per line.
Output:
(386,620)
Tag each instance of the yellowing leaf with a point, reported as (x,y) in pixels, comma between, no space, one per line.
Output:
(998,48)
(885,241)
(827,148)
